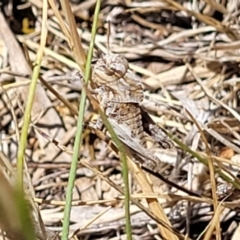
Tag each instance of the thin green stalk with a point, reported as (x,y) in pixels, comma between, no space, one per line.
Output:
(123,159)
(204,161)
(28,109)
(78,139)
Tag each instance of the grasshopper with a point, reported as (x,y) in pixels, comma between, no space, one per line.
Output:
(120,95)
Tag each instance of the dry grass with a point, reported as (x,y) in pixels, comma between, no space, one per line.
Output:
(187,56)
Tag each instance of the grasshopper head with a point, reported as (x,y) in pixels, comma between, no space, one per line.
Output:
(109,69)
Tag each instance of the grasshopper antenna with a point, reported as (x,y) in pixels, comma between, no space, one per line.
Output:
(108,36)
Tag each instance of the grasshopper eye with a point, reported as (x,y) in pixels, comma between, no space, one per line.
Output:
(119,69)
(109,70)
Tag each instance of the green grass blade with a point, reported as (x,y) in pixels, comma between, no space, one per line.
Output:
(29,104)
(204,161)
(123,159)
(78,139)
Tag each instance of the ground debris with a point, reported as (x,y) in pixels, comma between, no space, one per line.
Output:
(186,56)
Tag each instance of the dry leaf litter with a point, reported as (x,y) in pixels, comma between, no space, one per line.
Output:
(187,57)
